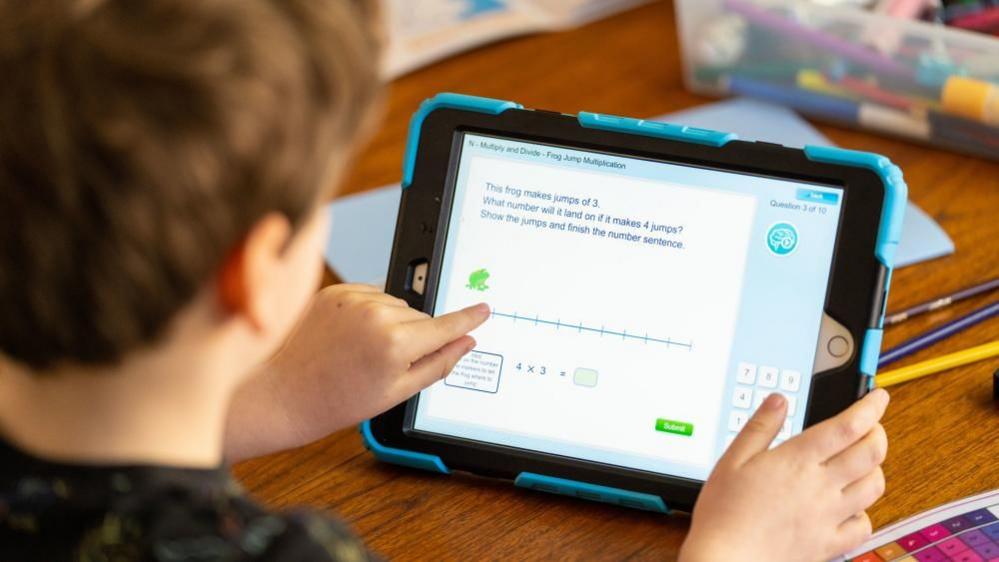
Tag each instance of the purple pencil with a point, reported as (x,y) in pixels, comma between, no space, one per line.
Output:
(941,302)
(939,333)
(784,26)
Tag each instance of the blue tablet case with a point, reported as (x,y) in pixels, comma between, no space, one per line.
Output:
(889,234)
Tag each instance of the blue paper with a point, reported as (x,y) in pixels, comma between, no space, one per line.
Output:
(360,242)
(922,239)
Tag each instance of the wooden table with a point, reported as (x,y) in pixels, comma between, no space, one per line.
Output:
(943,430)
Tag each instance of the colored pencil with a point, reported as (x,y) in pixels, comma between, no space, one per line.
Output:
(779,25)
(964,130)
(938,364)
(878,95)
(823,105)
(939,333)
(941,302)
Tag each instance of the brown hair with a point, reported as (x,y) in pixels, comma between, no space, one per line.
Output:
(140,141)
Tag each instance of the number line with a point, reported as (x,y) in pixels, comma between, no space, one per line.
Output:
(601,330)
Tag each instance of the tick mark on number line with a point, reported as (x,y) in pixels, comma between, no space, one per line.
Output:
(580,327)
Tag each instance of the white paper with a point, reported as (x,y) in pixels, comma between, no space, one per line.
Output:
(424,31)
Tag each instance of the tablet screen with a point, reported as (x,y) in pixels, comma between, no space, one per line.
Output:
(641,310)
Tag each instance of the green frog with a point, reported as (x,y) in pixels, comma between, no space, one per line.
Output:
(477,280)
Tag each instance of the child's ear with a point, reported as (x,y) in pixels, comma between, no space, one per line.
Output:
(246,283)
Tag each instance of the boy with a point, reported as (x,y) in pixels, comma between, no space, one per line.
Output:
(162,165)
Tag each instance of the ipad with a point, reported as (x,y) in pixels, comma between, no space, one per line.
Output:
(649,285)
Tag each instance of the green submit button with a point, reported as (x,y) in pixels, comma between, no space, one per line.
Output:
(673,426)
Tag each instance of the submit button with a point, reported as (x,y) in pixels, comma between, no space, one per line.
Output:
(673,426)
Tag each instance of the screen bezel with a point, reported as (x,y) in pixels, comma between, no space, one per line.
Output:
(447,215)
(852,295)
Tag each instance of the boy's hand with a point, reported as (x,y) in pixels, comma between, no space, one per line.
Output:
(803,500)
(356,353)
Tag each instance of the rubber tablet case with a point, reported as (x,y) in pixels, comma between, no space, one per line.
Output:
(888,236)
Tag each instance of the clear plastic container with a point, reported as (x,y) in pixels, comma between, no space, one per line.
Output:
(913,79)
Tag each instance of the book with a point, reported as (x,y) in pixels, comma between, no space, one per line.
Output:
(964,530)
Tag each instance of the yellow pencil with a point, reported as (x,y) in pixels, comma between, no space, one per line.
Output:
(816,81)
(938,364)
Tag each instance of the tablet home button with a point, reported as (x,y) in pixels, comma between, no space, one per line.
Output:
(838,346)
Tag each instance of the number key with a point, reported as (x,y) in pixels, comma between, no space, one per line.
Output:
(736,420)
(790,380)
(746,373)
(758,398)
(743,397)
(769,376)
(792,404)
(785,429)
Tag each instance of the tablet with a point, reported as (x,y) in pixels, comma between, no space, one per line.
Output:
(650,285)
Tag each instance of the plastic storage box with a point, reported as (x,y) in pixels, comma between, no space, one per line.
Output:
(913,79)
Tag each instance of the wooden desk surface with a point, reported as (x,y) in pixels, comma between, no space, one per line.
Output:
(943,430)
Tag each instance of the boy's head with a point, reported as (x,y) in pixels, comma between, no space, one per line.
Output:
(155,151)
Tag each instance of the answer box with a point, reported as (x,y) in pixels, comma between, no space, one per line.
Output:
(585,377)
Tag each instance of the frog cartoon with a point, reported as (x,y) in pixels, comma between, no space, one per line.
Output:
(477,280)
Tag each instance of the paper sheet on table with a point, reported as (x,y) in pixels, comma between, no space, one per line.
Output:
(363,225)
(422,32)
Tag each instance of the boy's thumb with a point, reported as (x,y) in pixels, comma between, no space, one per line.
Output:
(759,431)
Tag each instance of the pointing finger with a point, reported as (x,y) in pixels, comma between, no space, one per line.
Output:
(759,431)
(431,334)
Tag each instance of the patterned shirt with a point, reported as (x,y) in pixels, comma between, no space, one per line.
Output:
(57,512)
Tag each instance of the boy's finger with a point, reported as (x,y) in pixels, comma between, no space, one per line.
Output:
(359,294)
(759,431)
(358,287)
(861,494)
(386,299)
(853,532)
(405,314)
(438,364)
(861,457)
(429,335)
(835,434)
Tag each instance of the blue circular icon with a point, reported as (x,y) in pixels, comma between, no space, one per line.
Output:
(782,238)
